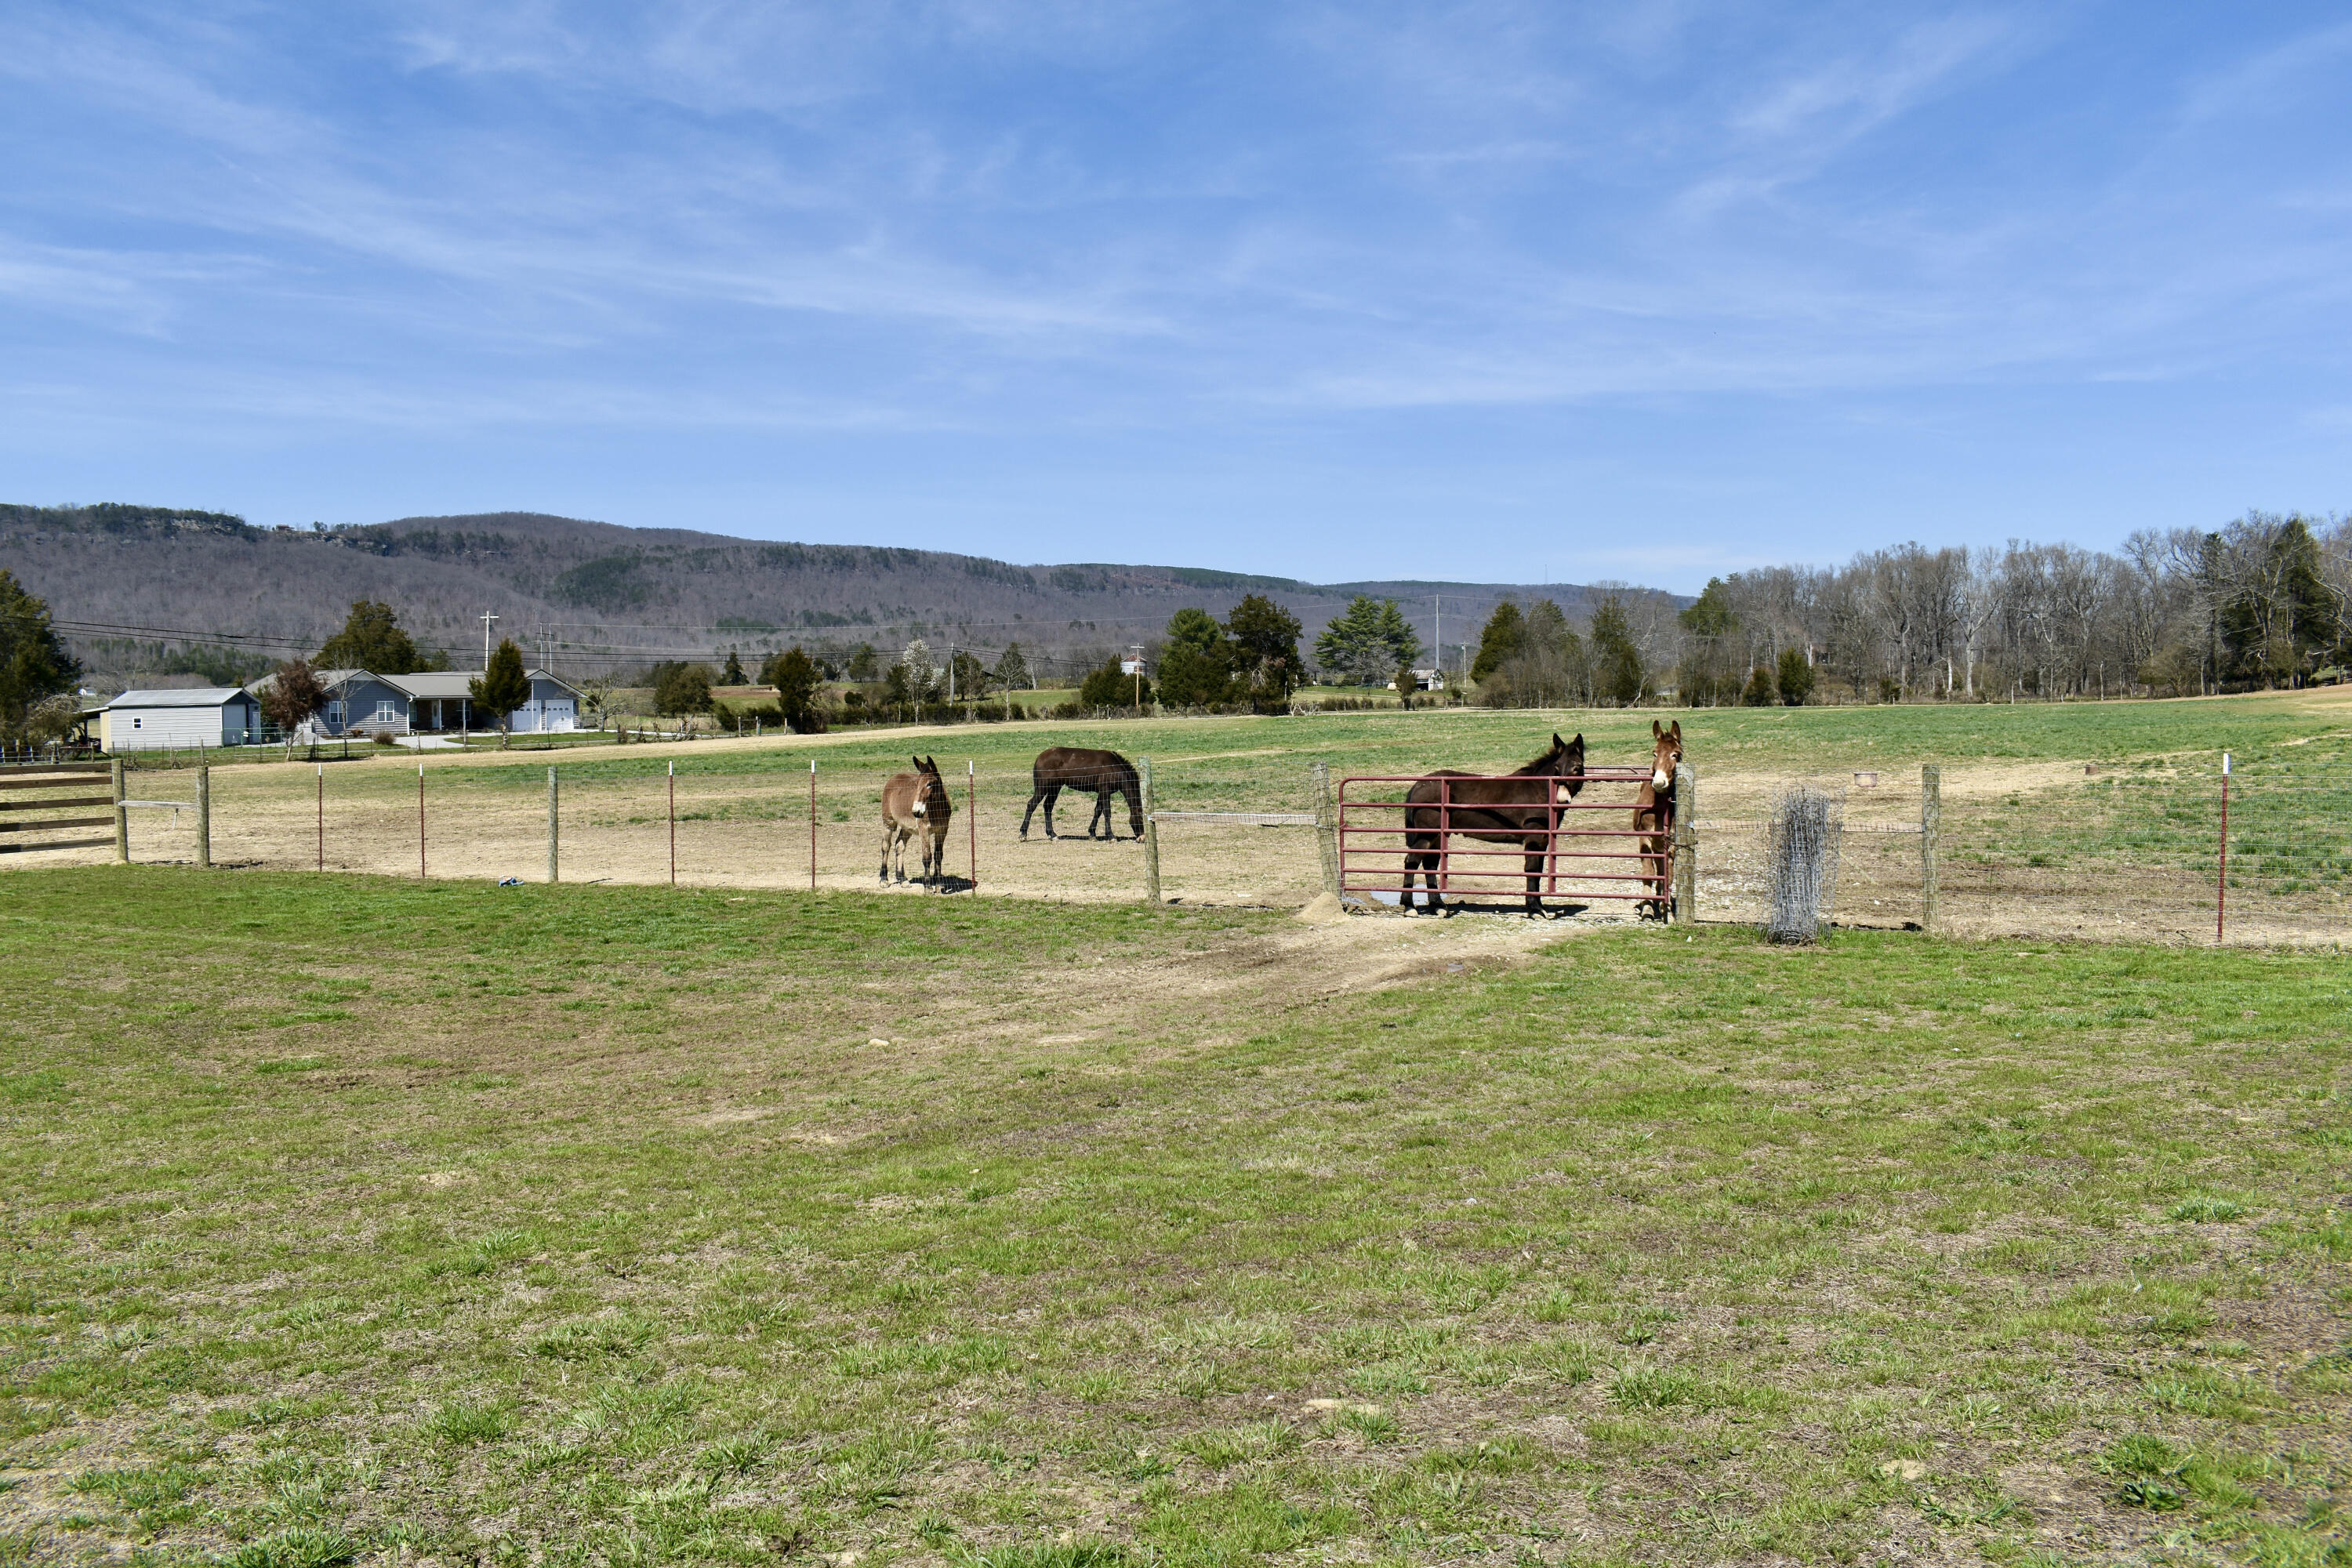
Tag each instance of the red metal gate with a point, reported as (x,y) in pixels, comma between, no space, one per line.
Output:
(1372,845)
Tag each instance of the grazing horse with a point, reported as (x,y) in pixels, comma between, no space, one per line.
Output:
(1654,816)
(914,803)
(1103,774)
(1521,807)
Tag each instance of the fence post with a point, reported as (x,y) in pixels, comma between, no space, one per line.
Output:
(420,822)
(203,818)
(1931,822)
(812,825)
(1327,831)
(554,873)
(323,811)
(2221,874)
(673,824)
(1151,837)
(1685,845)
(971,818)
(122,816)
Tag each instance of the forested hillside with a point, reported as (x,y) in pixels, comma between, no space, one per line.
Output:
(217,594)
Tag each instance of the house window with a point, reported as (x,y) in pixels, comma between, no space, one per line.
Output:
(335,714)
(387,712)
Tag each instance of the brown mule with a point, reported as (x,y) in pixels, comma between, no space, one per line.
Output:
(1103,774)
(917,803)
(1521,807)
(1654,817)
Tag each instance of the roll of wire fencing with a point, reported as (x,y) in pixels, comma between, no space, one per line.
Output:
(1801,861)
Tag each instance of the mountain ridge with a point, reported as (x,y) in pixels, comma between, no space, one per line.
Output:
(600,596)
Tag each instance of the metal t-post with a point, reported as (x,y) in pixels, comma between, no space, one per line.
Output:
(1151,837)
(2222,872)
(554,873)
(1686,846)
(122,816)
(203,818)
(1931,822)
(1327,831)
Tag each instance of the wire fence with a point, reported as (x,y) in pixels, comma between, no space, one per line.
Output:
(2037,849)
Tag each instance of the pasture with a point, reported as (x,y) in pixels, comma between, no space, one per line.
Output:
(355,1219)
(2070,819)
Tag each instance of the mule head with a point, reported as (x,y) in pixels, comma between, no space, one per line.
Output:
(1567,763)
(1665,754)
(931,800)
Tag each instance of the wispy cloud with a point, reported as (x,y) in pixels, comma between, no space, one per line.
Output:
(1386,225)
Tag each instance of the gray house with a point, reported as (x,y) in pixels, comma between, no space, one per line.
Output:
(430,702)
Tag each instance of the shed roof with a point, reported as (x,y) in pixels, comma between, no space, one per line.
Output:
(184,697)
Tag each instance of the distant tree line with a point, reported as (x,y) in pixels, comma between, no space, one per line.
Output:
(2262,602)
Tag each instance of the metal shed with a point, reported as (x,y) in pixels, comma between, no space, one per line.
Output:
(197,716)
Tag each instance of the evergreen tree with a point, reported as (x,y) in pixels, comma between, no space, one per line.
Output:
(33,663)
(1265,652)
(734,674)
(1707,675)
(796,678)
(1759,692)
(1796,677)
(503,686)
(1617,663)
(1196,667)
(1112,686)
(865,663)
(372,639)
(1505,633)
(1012,670)
(681,687)
(1368,640)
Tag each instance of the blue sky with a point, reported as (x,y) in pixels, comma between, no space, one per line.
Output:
(1479,291)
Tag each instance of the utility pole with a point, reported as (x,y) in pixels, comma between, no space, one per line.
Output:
(1138,650)
(486,619)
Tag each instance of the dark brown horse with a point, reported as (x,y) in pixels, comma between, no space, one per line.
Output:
(1521,807)
(1103,774)
(916,805)
(1654,816)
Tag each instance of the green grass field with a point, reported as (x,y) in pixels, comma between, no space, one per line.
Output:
(353,1220)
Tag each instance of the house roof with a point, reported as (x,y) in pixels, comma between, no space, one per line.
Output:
(184,697)
(332,680)
(444,684)
(448,684)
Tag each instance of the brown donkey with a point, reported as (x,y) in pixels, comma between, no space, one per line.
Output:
(1521,807)
(915,804)
(1654,817)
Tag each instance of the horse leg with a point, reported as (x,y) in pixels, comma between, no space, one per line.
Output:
(1052,794)
(883,875)
(1036,795)
(1420,854)
(1103,798)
